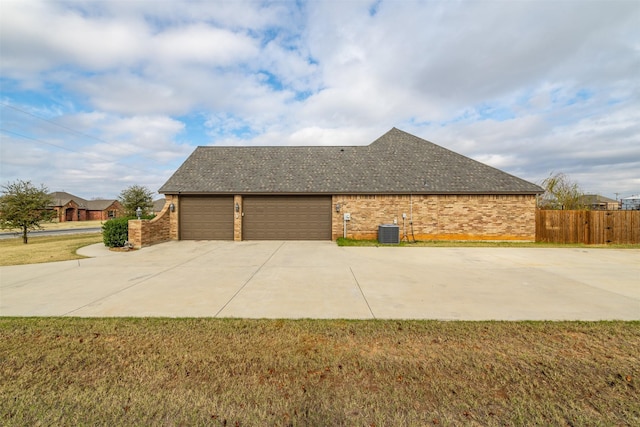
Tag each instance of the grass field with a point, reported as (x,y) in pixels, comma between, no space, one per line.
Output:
(64,371)
(44,248)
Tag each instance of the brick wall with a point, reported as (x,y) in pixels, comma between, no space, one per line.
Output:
(72,210)
(103,215)
(435,217)
(162,228)
(97,215)
(438,217)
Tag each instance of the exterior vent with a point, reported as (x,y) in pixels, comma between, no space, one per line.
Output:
(388,233)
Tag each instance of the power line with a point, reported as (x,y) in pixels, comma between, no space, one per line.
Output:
(68,129)
(96,156)
(73,131)
(77,132)
(38,140)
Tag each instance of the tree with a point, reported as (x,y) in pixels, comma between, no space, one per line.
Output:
(25,206)
(561,193)
(135,197)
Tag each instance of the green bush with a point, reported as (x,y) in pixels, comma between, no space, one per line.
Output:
(115,232)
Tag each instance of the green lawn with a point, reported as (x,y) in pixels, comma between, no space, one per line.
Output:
(70,371)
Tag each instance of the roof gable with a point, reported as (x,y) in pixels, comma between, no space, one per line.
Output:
(61,198)
(397,162)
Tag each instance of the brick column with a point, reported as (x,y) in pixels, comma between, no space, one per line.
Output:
(237,219)
(135,233)
(173,216)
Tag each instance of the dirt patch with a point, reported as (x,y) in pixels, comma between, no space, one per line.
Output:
(124,249)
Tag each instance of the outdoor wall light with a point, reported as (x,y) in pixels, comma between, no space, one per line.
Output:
(237,207)
(139,212)
(337,207)
(172,207)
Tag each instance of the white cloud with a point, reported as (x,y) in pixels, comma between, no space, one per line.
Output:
(323,136)
(203,44)
(528,86)
(38,36)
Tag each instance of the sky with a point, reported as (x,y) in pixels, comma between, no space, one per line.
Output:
(96,96)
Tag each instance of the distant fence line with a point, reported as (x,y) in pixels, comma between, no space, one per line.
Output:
(588,227)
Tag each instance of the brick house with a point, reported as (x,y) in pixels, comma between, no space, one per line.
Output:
(158,205)
(73,208)
(305,192)
(597,202)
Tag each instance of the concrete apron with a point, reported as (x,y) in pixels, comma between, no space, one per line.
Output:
(320,280)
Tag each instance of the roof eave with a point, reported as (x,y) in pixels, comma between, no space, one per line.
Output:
(344,193)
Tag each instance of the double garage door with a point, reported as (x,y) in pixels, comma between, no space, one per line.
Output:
(265,218)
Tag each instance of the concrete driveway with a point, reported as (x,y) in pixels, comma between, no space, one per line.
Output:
(321,280)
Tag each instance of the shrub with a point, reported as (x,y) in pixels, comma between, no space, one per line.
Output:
(115,232)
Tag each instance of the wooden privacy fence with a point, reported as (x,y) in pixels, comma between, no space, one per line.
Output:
(588,227)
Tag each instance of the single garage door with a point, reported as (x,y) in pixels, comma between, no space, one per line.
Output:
(286,218)
(206,218)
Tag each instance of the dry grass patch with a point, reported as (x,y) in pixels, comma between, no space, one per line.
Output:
(64,371)
(45,248)
(55,225)
(67,225)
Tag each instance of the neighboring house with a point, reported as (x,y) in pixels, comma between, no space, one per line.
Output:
(326,192)
(104,209)
(74,208)
(631,203)
(158,205)
(599,203)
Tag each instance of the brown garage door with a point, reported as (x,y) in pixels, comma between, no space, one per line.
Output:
(286,218)
(206,218)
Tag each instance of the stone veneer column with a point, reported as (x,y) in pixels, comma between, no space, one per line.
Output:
(173,216)
(237,219)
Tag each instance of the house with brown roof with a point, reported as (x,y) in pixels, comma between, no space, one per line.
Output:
(326,192)
(73,208)
(158,205)
(599,203)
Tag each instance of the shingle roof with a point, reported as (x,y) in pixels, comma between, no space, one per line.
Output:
(591,199)
(396,163)
(158,205)
(61,198)
(99,205)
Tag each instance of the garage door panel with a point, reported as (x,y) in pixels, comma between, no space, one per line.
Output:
(206,218)
(287,218)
